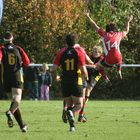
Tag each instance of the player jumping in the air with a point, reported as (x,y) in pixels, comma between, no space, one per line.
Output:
(111,41)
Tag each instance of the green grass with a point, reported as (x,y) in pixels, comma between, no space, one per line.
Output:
(107,120)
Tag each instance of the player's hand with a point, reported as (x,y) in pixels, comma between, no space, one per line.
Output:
(94,66)
(87,15)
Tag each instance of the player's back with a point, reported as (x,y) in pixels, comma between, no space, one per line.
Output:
(69,64)
(111,41)
(11,60)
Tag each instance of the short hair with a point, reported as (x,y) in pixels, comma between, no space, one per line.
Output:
(98,48)
(71,39)
(111,27)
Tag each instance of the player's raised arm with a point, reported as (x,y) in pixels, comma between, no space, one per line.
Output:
(89,61)
(128,24)
(95,26)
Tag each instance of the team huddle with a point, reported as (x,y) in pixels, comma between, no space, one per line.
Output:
(77,80)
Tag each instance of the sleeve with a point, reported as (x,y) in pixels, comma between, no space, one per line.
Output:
(101,32)
(58,57)
(81,57)
(25,58)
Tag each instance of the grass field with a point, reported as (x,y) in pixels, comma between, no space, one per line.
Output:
(107,120)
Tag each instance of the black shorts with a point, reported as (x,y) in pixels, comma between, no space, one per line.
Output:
(71,89)
(105,64)
(9,84)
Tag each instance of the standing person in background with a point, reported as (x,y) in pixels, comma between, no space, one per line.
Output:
(111,41)
(32,77)
(46,82)
(72,61)
(13,58)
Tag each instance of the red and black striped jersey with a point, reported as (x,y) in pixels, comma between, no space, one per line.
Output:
(70,59)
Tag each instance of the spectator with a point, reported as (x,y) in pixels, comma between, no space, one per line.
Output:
(13,58)
(32,74)
(46,82)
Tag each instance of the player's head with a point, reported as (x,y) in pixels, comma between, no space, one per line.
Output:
(97,51)
(71,39)
(8,37)
(111,27)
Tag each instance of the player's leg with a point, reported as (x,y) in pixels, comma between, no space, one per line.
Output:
(17,115)
(70,113)
(119,69)
(14,109)
(78,103)
(77,99)
(81,117)
(64,112)
(102,68)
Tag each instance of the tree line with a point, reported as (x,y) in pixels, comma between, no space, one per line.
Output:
(40,26)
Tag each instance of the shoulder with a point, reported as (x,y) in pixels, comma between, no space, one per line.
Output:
(123,33)
(79,48)
(101,32)
(18,47)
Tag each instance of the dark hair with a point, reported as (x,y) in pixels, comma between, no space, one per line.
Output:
(111,27)
(71,39)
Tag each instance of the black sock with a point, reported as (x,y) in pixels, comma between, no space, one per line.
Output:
(71,122)
(13,107)
(18,118)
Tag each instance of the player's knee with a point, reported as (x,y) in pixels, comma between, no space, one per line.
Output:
(17,98)
(79,105)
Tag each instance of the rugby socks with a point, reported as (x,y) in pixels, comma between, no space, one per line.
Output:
(18,118)
(16,112)
(86,98)
(82,112)
(13,107)
(64,106)
(70,116)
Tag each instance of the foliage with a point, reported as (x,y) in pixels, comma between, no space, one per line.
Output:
(40,26)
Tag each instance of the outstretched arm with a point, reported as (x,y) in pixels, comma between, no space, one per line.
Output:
(95,26)
(128,24)
(89,61)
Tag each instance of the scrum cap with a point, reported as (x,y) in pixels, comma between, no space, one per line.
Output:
(8,37)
